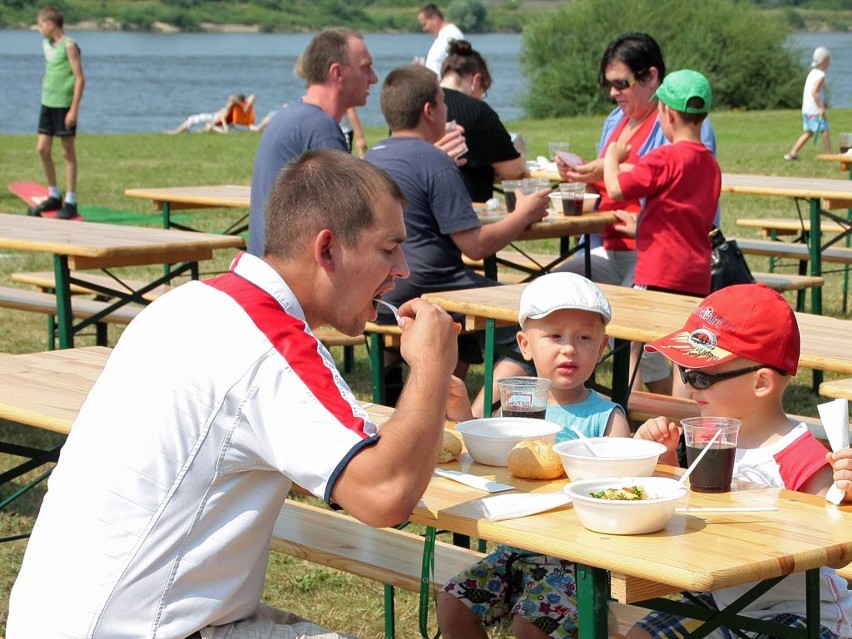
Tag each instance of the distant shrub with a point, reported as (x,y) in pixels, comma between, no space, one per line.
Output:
(740,50)
(469,15)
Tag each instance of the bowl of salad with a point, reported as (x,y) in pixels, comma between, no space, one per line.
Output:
(625,505)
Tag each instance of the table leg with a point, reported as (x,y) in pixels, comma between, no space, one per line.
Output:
(377,367)
(816,254)
(592,596)
(812,603)
(167,215)
(488,373)
(64,319)
(621,372)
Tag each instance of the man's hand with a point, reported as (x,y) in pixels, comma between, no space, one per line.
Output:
(429,338)
(532,206)
(454,145)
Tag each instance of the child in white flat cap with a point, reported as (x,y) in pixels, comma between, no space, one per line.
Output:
(814,120)
(563,318)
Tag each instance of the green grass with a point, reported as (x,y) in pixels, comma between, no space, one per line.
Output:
(748,143)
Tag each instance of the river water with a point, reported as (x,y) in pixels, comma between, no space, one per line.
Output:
(148,82)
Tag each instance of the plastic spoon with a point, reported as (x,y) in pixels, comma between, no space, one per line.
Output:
(586,441)
(396,316)
(703,452)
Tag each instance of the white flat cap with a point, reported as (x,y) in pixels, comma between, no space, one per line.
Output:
(557,291)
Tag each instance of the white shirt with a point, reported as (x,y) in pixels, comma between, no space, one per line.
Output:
(767,465)
(440,47)
(158,516)
(809,105)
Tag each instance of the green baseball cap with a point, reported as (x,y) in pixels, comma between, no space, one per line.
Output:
(679,87)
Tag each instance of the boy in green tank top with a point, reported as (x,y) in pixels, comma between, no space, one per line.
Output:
(62,90)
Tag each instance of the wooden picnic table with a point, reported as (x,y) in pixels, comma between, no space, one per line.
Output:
(696,551)
(639,316)
(844,159)
(168,199)
(216,196)
(84,245)
(820,193)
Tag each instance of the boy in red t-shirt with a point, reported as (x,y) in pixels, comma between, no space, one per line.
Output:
(681,183)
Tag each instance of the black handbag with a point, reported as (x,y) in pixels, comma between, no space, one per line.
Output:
(727,263)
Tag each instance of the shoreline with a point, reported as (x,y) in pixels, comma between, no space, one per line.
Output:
(111,24)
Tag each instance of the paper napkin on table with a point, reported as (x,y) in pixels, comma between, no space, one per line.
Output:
(835,421)
(474,481)
(501,507)
(546,165)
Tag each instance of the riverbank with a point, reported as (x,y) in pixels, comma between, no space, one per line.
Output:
(800,20)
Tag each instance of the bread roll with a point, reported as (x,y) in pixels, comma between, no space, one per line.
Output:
(535,459)
(451,447)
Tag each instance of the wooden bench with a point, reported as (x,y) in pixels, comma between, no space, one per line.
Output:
(81,308)
(793,250)
(392,557)
(789,281)
(642,406)
(45,281)
(838,388)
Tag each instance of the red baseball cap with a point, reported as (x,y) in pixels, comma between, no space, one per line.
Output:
(746,320)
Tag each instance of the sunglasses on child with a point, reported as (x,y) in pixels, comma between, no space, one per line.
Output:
(702,381)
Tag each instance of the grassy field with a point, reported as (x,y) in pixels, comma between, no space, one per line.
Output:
(748,143)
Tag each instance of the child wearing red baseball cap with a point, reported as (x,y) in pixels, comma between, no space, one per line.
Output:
(736,354)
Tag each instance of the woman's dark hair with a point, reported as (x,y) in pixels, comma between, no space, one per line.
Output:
(464,62)
(639,51)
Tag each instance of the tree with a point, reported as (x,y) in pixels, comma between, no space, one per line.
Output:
(469,15)
(740,49)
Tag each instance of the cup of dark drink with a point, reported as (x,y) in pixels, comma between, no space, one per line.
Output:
(573,197)
(524,396)
(509,188)
(715,470)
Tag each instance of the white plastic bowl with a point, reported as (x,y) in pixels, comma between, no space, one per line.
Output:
(626,517)
(489,440)
(620,457)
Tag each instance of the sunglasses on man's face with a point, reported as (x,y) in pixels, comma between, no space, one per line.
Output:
(619,84)
(702,381)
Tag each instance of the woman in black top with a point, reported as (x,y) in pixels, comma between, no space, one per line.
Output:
(465,79)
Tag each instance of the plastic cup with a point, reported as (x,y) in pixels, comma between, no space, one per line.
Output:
(509,188)
(716,469)
(573,197)
(845,142)
(554,147)
(523,396)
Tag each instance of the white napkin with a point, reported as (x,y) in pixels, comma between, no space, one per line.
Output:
(546,165)
(835,421)
(501,507)
(473,481)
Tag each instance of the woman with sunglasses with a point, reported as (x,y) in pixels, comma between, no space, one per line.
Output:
(631,70)
(465,79)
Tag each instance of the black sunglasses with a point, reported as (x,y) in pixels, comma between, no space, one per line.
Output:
(702,381)
(620,84)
